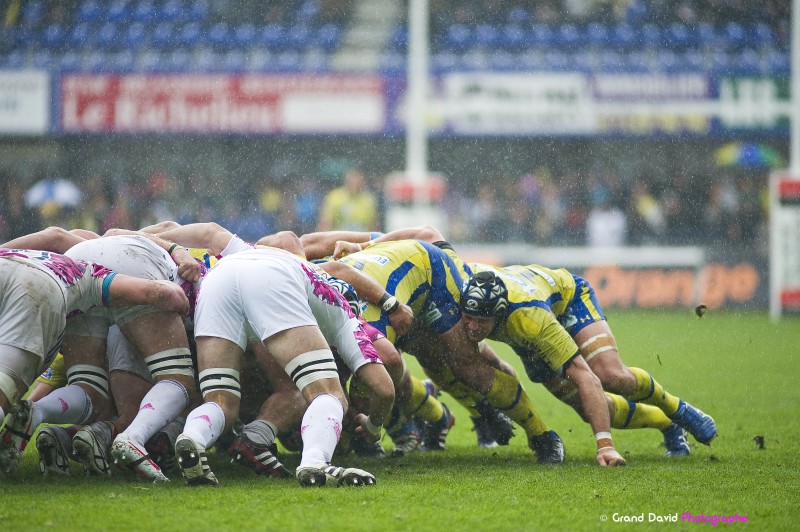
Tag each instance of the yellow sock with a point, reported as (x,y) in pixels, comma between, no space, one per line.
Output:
(447,381)
(422,404)
(508,396)
(649,391)
(630,415)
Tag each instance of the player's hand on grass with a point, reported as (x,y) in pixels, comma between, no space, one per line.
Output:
(343,248)
(609,457)
(401,319)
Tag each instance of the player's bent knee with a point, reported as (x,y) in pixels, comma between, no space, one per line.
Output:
(94,377)
(177,361)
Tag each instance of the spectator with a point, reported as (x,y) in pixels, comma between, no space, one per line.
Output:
(351,207)
(606,225)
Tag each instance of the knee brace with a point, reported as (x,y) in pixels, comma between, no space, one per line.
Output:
(220,380)
(312,366)
(94,376)
(176,361)
(9,388)
(596,345)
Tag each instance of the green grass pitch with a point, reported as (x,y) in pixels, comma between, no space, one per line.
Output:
(739,367)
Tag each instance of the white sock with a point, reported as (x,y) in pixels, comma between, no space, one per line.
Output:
(68,405)
(204,424)
(321,429)
(163,403)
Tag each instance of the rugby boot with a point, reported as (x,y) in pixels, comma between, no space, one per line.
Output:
(696,422)
(331,475)
(675,441)
(262,459)
(500,426)
(548,447)
(406,440)
(129,454)
(435,434)
(55,447)
(15,435)
(363,448)
(90,447)
(193,463)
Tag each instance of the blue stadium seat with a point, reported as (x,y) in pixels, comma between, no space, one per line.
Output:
(273,37)
(163,36)
(219,36)
(118,11)
(519,15)
(299,37)
(457,38)
(762,35)
(611,61)
(569,37)
(80,35)
(89,11)
(307,11)
(135,37)
(314,61)
(288,61)
(582,61)
(172,11)
(22,37)
(486,36)
(94,61)
(443,61)
(13,60)
(502,60)
(198,10)
(234,61)
(69,60)
(679,37)
(623,36)
(145,11)
(150,60)
(667,61)
(189,36)
(778,62)
(122,61)
(748,61)
(398,40)
(107,37)
(597,35)
(207,60)
(651,36)
(328,36)
(53,37)
(244,36)
(32,13)
(707,35)
(693,61)
(557,61)
(735,35)
(637,61)
(42,59)
(720,62)
(513,37)
(395,63)
(531,61)
(541,35)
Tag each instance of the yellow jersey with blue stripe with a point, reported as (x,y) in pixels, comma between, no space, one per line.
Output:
(56,374)
(545,309)
(427,277)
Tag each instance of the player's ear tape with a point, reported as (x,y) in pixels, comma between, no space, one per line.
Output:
(596,345)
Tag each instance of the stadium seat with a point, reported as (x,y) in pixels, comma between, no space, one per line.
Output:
(95,61)
(80,35)
(762,35)
(13,60)
(122,61)
(198,10)
(512,37)
(42,59)
(299,37)
(288,61)
(443,61)
(475,60)
(144,11)
(679,37)
(273,37)
(720,62)
(207,60)
(244,36)
(149,60)
(531,61)
(395,63)
(667,61)
(557,61)
(314,61)
(53,37)
(637,61)
(568,37)
(611,61)
(693,61)
(307,11)
(106,38)
(32,13)
(542,35)
(219,36)
(735,36)
(778,62)
(189,36)
(135,37)
(118,11)
(502,60)
(259,61)
(519,15)
(69,61)
(486,36)
(398,41)
(597,35)
(651,36)
(234,61)
(748,61)
(623,37)
(163,36)
(707,35)
(327,36)
(172,11)
(89,11)
(457,38)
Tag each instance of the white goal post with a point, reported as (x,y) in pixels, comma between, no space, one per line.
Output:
(784,244)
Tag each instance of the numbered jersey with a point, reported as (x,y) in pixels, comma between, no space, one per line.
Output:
(424,276)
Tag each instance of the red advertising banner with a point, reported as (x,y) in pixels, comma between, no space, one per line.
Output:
(221,103)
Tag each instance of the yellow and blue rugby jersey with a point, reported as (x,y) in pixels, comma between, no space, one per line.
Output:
(424,276)
(203,256)
(56,374)
(537,296)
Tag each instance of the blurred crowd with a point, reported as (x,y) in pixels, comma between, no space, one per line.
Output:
(569,209)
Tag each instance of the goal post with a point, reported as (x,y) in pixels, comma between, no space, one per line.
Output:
(784,244)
